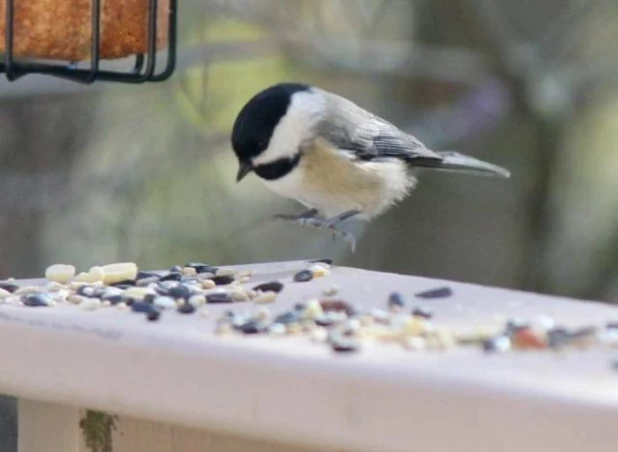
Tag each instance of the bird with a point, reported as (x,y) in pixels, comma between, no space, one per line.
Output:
(334,157)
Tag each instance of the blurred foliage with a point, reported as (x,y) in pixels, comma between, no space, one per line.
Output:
(146,173)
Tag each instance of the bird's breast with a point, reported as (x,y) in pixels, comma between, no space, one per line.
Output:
(329,181)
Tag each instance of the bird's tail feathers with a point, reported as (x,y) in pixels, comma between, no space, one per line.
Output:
(454,161)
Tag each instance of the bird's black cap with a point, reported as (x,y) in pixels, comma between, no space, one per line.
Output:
(257,120)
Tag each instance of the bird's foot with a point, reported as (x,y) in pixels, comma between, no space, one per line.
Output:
(331,225)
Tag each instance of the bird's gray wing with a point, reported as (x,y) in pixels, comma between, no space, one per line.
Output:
(365,136)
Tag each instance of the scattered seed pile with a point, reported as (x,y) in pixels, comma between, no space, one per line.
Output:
(325,319)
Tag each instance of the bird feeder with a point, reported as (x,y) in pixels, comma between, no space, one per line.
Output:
(75,39)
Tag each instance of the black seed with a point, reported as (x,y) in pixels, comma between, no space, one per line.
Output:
(218,298)
(288,317)
(299,307)
(186,308)
(142,306)
(171,276)
(149,298)
(128,300)
(223,280)
(141,282)
(253,327)
(324,320)
(395,300)
(124,284)
(341,345)
(179,291)
(113,299)
(153,315)
(9,287)
(176,269)
(612,325)
(36,300)
(422,312)
(303,276)
(322,261)
(202,268)
(146,274)
(272,286)
(441,292)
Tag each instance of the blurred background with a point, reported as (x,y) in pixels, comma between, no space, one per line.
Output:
(146,174)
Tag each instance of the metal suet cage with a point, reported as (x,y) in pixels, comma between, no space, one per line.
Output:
(142,69)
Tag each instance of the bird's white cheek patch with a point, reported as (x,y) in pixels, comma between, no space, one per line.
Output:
(289,186)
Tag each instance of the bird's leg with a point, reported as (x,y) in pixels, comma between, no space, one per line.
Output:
(331,224)
(303,215)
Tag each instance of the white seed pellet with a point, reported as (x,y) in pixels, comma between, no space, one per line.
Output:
(111,291)
(138,292)
(90,304)
(95,274)
(114,273)
(319,334)
(189,271)
(277,329)
(208,284)
(225,272)
(204,312)
(313,309)
(239,295)
(75,299)
(319,270)
(60,295)
(122,306)
(252,294)
(197,300)
(265,297)
(331,290)
(61,273)
(106,303)
(74,285)
(4,294)
(165,302)
(411,326)
(54,286)
(244,279)
(353,324)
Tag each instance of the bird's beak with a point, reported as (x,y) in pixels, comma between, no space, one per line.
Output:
(244,168)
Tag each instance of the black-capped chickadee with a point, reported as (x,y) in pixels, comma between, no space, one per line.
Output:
(333,156)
